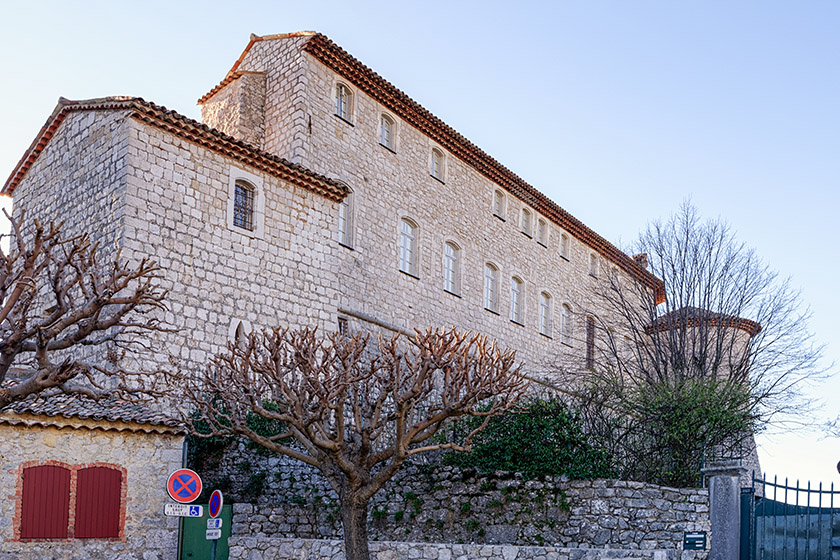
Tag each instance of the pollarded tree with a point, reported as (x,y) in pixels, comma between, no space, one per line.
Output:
(354,411)
(726,352)
(63,311)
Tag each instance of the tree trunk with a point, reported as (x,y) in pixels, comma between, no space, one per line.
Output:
(354,519)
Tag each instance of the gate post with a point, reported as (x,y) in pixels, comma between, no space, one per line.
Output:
(725,509)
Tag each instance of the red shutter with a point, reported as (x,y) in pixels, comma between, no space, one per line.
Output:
(98,493)
(45,502)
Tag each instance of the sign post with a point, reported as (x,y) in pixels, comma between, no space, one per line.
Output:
(214,525)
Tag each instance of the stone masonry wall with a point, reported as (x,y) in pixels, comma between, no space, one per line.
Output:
(278,497)
(147,459)
(238,109)
(242,548)
(390,185)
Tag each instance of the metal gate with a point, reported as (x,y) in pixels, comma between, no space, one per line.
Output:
(785,522)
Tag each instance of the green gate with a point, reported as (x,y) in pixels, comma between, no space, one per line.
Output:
(194,544)
(789,522)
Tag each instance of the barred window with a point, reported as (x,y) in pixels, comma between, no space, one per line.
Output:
(243,206)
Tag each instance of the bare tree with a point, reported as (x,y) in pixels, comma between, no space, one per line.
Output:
(726,353)
(57,302)
(354,412)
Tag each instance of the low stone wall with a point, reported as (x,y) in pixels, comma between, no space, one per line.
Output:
(248,548)
(445,504)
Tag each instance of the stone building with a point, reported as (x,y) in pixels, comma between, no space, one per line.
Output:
(84,478)
(317,193)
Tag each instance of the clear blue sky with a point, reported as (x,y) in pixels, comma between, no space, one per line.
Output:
(616,110)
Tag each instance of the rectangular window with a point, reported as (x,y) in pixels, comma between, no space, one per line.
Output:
(542,232)
(386,132)
(499,204)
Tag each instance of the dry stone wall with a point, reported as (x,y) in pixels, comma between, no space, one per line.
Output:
(276,496)
(242,548)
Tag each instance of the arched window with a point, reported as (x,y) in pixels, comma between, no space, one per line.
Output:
(545,314)
(345,220)
(542,232)
(566,325)
(243,205)
(437,168)
(499,204)
(491,287)
(564,246)
(451,267)
(408,247)
(386,132)
(526,222)
(593,265)
(517,309)
(590,343)
(343,102)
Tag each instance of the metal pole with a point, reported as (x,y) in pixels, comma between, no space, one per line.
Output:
(213,550)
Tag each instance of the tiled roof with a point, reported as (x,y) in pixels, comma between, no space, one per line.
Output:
(337,59)
(183,127)
(693,316)
(77,406)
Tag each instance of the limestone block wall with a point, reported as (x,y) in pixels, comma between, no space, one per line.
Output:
(389,185)
(177,211)
(242,548)
(79,178)
(238,110)
(147,460)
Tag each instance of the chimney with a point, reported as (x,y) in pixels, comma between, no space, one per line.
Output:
(641,260)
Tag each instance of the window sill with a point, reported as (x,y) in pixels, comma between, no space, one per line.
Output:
(491,311)
(438,179)
(452,293)
(566,343)
(346,246)
(542,243)
(392,150)
(595,276)
(548,336)
(515,322)
(564,258)
(342,119)
(499,217)
(526,234)
(252,233)
(410,274)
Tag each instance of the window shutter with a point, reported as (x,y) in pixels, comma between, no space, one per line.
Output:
(98,494)
(45,502)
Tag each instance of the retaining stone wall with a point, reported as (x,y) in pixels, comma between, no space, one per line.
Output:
(445,504)
(275,549)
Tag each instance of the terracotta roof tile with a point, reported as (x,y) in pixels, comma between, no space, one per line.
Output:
(693,316)
(77,406)
(186,128)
